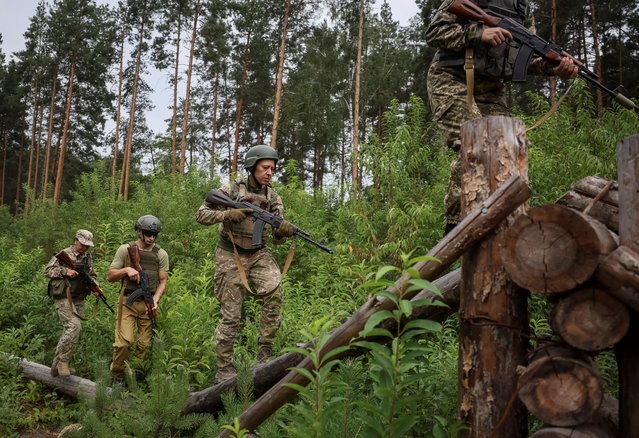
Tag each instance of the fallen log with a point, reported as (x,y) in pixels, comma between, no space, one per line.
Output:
(72,386)
(479,222)
(268,374)
(604,426)
(599,196)
(590,319)
(555,249)
(561,386)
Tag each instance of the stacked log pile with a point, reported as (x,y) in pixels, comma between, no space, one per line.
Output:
(569,251)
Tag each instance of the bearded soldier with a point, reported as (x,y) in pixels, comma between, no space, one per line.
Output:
(242,267)
(470,76)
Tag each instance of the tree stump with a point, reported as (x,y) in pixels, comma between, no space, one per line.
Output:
(590,319)
(587,431)
(555,249)
(561,386)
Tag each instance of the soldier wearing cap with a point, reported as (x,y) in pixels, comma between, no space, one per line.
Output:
(155,263)
(68,294)
(236,258)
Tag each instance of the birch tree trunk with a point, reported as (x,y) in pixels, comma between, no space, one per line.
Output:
(216,96)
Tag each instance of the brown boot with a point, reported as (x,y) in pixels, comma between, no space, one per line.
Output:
(224,373)
(63,369)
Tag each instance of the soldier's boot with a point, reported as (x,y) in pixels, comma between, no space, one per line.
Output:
(63,369)
(54,368)
(264,353)
(224,373)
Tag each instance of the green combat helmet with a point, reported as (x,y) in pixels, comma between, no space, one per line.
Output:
(257,153)
(148,223)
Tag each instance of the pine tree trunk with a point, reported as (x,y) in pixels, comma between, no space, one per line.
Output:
(19,176)
(5,145)
(176,78)
(216,88)
(38,148)
(47,155)
(126,166)
(118,117)
(279,76)
(239,108)
(358,72)
(34,123)
(65,132)
(187,97)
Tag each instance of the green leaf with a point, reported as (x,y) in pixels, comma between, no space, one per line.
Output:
(421,284)
(425,324)
(375,319)
(406,306)
(381,272)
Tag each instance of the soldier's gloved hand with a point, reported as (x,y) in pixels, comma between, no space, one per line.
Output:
(286,229)
(236,215)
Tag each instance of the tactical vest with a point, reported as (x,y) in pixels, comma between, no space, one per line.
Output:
(78,289)
(490,62)
(243,232)
(150,263)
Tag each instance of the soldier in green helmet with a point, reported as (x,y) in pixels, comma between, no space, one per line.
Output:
(155,263)
(237,257)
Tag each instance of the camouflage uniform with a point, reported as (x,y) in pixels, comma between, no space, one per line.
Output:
(261,270)
(446,83)
(71,312)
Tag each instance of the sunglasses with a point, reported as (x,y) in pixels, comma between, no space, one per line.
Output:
(149,233)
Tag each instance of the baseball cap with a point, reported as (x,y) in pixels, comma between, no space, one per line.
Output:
(85,237)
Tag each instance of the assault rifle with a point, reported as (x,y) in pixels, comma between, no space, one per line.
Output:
(261,218)
(87,281)
(530,43)
(143,291)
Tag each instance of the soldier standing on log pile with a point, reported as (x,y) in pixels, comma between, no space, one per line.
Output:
(470,77)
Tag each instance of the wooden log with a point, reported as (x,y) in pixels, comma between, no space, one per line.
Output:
(619,272)
(72,386)
(605,210)
(493,310)
(555,249)
(590,319)
(626,351)
(512,193)
(605,425)
(561,386)
(268,374)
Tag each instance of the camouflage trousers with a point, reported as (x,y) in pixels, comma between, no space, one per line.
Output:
(264,278)
(131,316)
(447,94)
(71,328)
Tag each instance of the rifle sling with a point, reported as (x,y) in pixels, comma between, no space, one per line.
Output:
(67,288)
(552,109)
(469,68)
(240,267)
(289,258)
(120,304)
